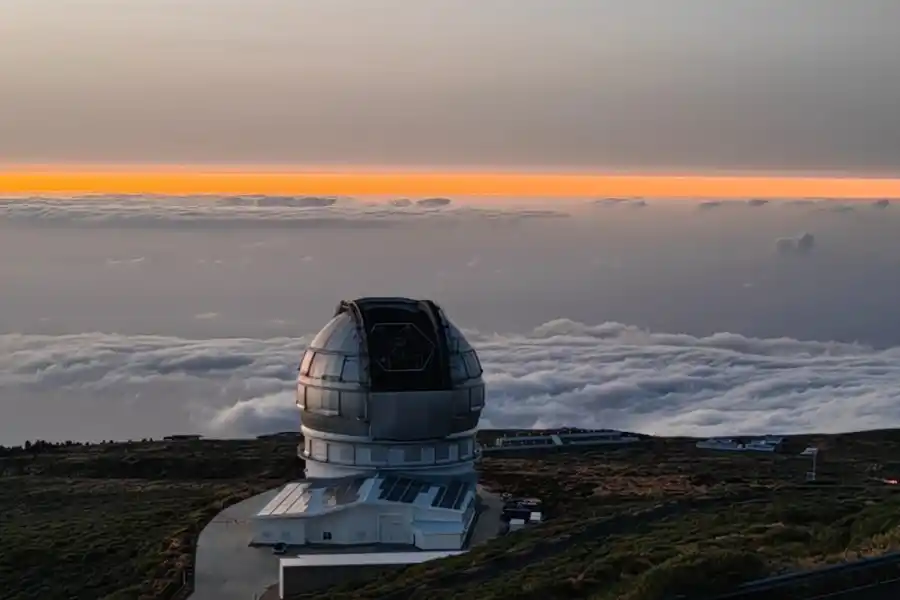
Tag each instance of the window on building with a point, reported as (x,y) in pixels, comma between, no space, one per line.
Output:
(326,535)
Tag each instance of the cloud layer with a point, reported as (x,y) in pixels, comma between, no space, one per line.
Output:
(560,373)
(260,211)
(246,270)
(298,212)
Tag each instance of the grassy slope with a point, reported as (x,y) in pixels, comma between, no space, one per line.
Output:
(120,520)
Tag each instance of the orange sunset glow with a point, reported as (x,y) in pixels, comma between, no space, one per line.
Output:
(234,181)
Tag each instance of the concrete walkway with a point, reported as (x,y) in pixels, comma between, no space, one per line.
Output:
(226,568)
(487,526)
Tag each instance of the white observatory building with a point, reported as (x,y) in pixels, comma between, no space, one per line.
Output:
(390,393)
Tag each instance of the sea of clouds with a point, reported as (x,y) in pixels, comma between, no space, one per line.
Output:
(561,373)
(103,385)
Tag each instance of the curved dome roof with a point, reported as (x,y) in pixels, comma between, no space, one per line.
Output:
(392,344)
(376,349)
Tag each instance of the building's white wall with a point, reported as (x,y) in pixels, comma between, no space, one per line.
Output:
(430,513)
(354,525)
(280,531)
(367,524)
(438,541)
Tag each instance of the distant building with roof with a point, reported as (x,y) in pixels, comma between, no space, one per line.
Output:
(559,439)
(768,443)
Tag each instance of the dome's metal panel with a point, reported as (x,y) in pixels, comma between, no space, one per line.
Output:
(306,362)
(352,372)
(457,341)
(346,339)
(332,424)
(458,372)
(476,397)
(340,322)
(461,403)
(335,386)
(467,422)
(473,366)
(334,366)
(353,405)
(323,401)
(406,416)
(318,367)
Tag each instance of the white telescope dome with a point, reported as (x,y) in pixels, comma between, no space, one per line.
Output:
(389,374)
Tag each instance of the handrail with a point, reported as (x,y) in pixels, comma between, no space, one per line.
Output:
(771,583)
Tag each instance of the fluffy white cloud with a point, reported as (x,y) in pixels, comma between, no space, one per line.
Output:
(561,373)
(237,211)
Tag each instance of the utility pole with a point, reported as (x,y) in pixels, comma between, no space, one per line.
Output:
(814,453)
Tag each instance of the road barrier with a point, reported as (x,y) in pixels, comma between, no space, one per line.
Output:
(763,588)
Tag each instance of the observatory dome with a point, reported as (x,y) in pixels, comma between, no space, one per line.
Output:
(389,383)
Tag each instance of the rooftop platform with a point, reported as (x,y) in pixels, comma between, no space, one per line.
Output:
(316,497)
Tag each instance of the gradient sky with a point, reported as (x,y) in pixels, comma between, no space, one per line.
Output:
(684,84)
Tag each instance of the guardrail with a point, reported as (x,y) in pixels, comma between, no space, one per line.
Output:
(760,587)
(883,590)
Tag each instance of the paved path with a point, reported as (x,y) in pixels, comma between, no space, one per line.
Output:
(226,568)
(487,526)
